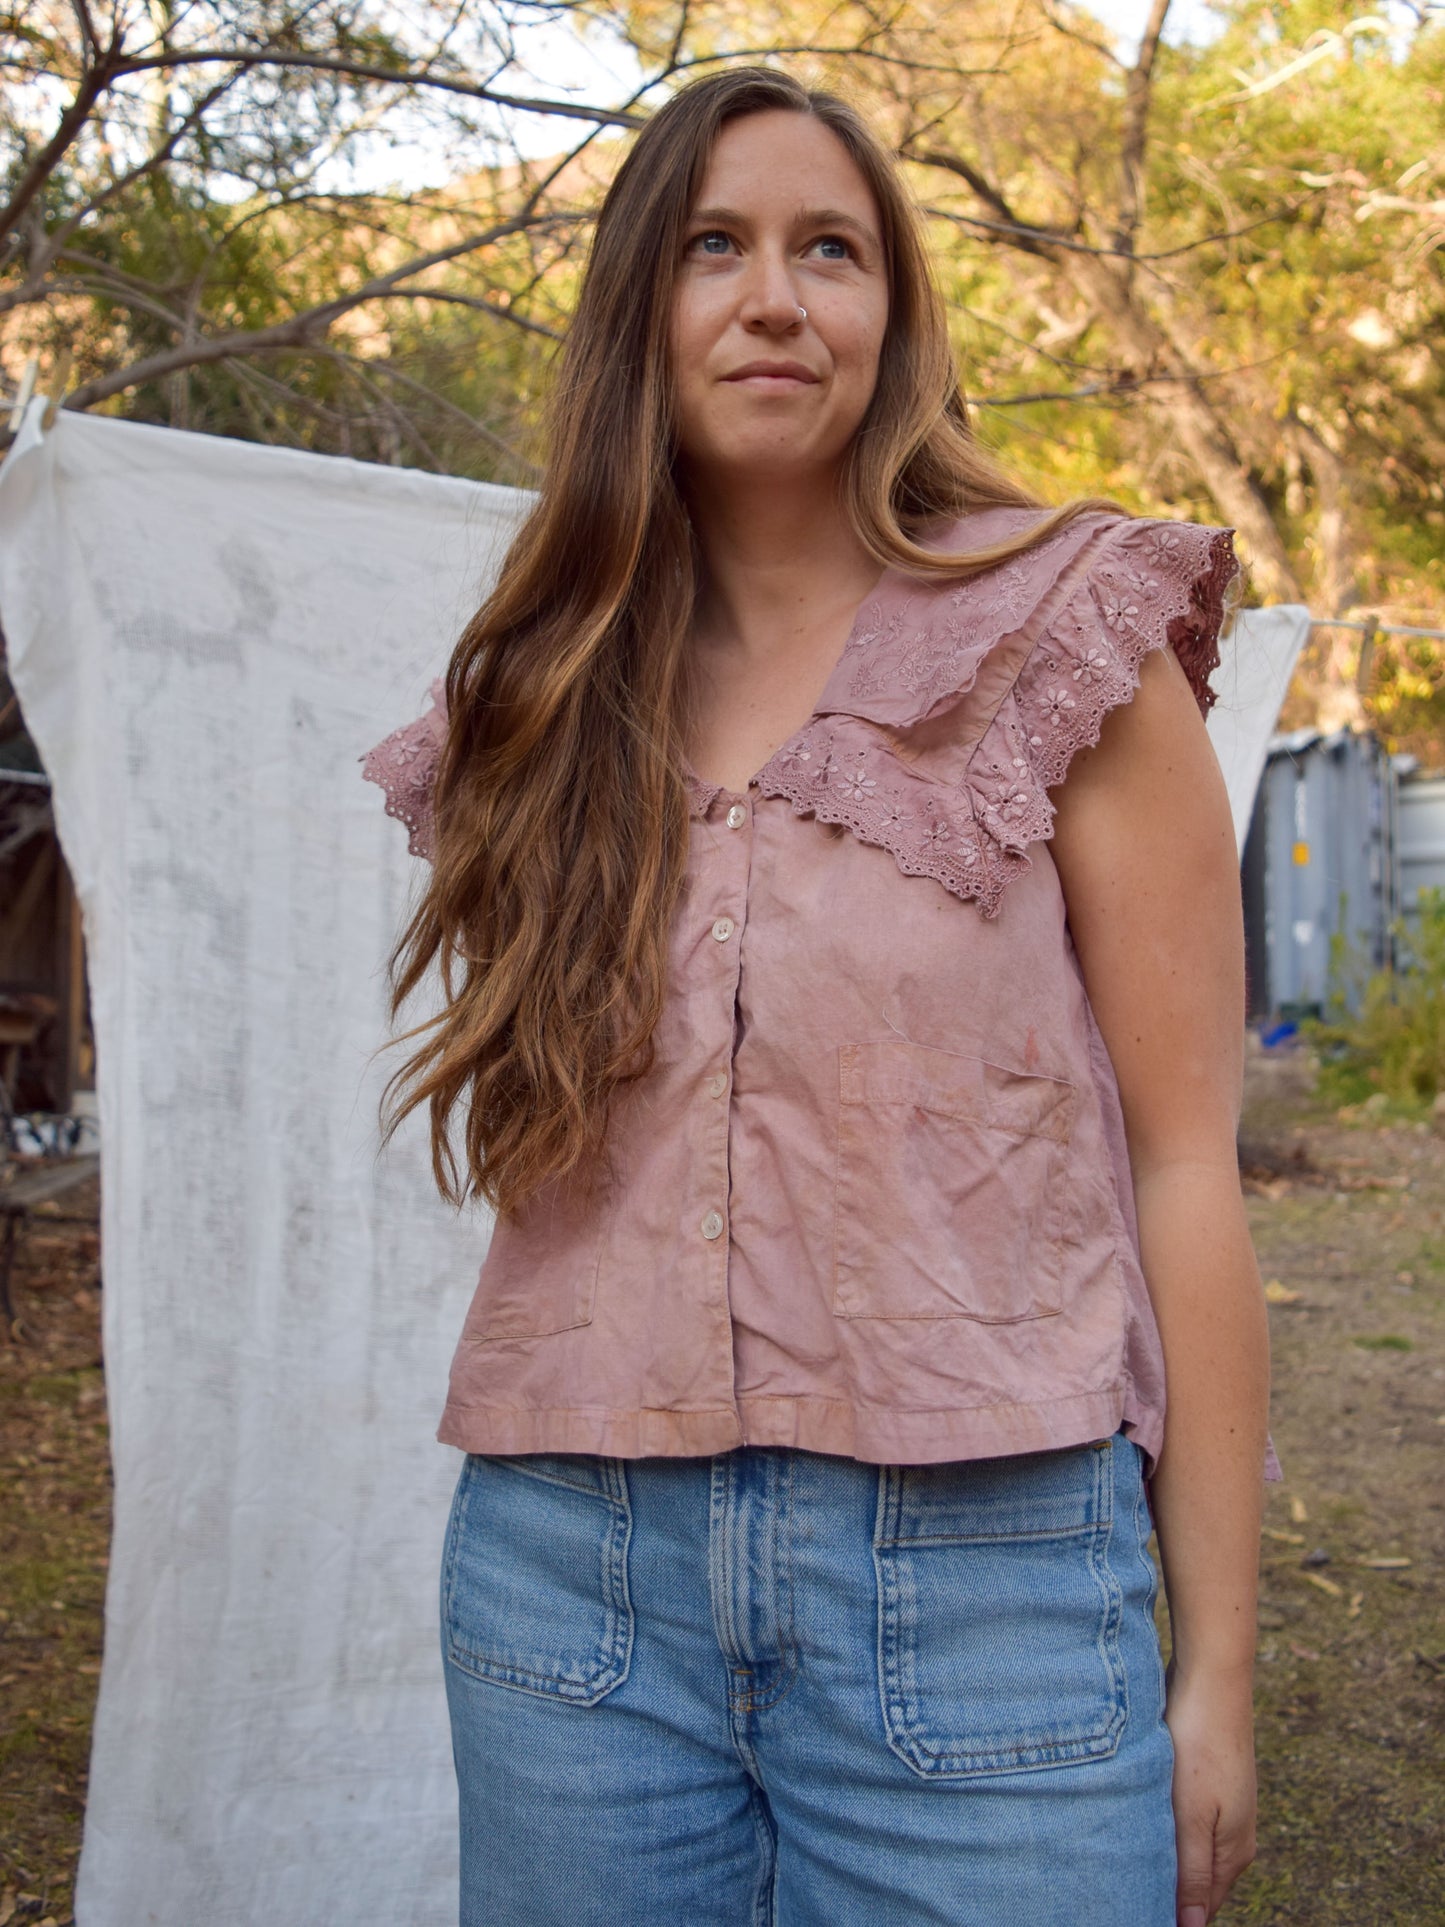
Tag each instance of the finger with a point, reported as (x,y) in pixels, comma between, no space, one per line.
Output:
(1196,1869)
(1234,1849)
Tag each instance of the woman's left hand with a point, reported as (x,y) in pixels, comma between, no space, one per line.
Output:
(1211,1721)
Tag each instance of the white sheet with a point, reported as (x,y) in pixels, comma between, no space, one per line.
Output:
(205,635)
(1257,660)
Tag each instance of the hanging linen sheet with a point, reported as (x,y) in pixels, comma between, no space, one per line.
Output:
(205,635)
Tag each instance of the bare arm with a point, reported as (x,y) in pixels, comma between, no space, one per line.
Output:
(1146,855)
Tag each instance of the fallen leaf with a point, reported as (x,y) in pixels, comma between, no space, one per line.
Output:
(1285,1538)
(1386,1565)
(1352,1611)
(1325,1585)
(1278,1294)
(1297,1511)
(1301,1652)
(7,1906)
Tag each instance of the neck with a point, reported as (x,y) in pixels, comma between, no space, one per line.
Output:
(776,560)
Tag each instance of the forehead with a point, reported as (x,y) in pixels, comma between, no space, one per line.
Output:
(781,161)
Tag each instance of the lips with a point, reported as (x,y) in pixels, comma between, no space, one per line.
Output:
(773,371)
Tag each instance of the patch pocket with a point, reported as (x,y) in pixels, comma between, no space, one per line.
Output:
(540,1272)
(981,1146)
(534,1581)
(999,1613)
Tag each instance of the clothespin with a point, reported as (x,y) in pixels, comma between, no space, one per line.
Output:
(22,398)
(57,390)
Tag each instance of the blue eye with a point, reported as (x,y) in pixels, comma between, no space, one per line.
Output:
(835,241)
(711,234)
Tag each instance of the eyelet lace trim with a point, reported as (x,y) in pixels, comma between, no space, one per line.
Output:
(1154,583)
(404,764)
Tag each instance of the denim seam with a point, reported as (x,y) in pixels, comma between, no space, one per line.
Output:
(764,1894)
(749,1699)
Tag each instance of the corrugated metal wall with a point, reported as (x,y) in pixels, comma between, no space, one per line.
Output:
(1320,860)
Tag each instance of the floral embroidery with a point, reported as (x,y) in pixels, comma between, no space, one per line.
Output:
(1091,668)
(404,764)
(967,823)
(971,833)
(855,782)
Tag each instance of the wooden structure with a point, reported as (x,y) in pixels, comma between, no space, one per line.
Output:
(46,1053)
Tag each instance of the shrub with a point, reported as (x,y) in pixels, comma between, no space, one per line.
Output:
(1392,1044)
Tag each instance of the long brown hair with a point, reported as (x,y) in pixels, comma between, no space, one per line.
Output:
(560,807)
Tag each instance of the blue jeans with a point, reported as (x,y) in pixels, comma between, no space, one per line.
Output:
(778,1687)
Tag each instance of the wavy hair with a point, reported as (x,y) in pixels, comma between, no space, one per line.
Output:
(560,808)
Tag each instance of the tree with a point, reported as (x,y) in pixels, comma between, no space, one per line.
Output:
(1206,279)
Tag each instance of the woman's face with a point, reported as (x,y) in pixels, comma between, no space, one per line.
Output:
(784,221)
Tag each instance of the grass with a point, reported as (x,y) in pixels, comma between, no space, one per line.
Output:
(1350,1684)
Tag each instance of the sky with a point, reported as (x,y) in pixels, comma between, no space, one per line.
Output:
(559,60)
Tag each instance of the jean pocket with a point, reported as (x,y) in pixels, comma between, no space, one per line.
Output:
(999,1613)
(534,1579)
(950,1186)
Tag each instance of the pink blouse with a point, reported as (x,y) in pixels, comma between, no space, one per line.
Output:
(874,1198)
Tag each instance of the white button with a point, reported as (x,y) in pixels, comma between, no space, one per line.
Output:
(723,929)
(712,1225)
(717,1083)
(737,816)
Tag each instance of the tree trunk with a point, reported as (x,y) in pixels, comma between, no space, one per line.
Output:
(1192,415)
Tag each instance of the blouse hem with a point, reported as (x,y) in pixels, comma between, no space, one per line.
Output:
(881,1436)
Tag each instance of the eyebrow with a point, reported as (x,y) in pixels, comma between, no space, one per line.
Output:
(807,217)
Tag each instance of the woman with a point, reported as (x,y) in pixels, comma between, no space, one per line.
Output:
(840,1075)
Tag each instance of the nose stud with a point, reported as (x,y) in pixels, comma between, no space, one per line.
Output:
(802,314)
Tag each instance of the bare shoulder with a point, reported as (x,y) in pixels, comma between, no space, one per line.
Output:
(1145,851)
(1146,806)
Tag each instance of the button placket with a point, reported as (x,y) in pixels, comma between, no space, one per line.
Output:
(727,883)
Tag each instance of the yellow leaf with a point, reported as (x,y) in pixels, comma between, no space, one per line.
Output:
(1386,1565)
(1325,1585)
(1297,1511)
(1278,1294)
(1285,1538)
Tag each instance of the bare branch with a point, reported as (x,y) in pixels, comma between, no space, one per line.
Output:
(306,330)
(478,302)
(1062,24)
(1137,102)
(93,84)
(55,242)
(269,57)
(459,415)
(1023,234)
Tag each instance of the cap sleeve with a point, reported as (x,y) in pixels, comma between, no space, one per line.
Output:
(1153,583)
(404,765)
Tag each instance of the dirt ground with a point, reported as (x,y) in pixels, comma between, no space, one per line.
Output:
(1348,1213)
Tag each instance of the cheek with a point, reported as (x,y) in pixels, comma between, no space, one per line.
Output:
(859,351)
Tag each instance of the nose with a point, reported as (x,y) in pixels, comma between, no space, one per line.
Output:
(769,300)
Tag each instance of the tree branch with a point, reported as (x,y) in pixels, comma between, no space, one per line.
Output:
(1137,100)
(93,84)
(306,330)
(262,56)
